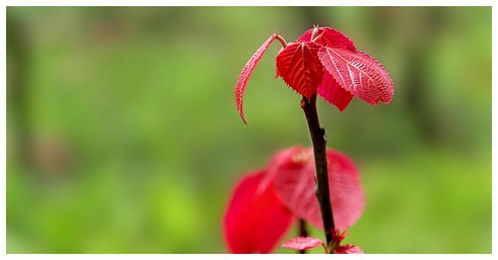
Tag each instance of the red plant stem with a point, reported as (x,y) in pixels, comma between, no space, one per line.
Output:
(303,232)
(281,40)
(319,141)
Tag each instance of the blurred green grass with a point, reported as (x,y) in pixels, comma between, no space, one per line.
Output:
(123,135)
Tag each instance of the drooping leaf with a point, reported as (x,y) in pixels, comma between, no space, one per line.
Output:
(358,73)
(295,183)
(348,249)
(328,37)
(298,65)
(255,219)
(333,93)
(303,243)
(245,74)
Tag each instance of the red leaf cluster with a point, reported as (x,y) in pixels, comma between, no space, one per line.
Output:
(264,203)
(324,61)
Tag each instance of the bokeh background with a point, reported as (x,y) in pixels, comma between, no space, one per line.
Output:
(123,135)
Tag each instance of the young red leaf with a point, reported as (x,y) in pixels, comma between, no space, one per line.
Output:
(328,37)
(298,65)
(339,235)
(303,243)
(255,219)
(333,92)
(348,249)
(295,183)
(358,73)
(246,72)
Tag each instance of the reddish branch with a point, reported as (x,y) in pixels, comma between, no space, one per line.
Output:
(303,232)
(319,141)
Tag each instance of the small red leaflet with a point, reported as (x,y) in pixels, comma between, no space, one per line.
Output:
(303,243)
(333,93)
(348,249)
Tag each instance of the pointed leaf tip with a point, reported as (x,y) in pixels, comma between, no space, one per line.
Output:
(303,243)
(245,74)
(359,74)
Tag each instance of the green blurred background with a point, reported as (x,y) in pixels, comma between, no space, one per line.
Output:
(123,135)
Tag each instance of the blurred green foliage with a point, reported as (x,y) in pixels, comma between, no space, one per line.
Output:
(123,135)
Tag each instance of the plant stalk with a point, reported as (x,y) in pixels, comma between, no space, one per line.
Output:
(303,232)
(319,141)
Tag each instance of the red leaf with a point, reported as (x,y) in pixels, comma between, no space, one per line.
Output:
(328,37)
(348,249)
(347,197)
(255,219)
(300,68)
(245,74)
(333,92)
(358,73)
(302,243)
(296,188)
(339,235)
